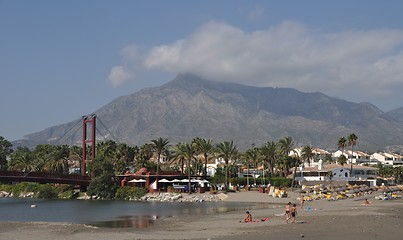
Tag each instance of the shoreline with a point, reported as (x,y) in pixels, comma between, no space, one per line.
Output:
(348,218)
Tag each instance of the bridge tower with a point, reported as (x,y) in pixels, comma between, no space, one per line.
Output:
(88,120)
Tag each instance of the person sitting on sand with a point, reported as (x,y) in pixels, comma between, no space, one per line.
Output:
(366,202)
(293,212)
(287,212)
(248,217)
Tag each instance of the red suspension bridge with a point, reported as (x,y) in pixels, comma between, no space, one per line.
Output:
(74,179)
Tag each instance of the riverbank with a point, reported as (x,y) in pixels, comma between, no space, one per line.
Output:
(320,219)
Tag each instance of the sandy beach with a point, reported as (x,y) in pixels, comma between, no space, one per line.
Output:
(320,219)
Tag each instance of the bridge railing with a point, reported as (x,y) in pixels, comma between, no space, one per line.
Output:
(44,175)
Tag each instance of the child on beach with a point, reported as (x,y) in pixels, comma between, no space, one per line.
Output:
(293,212)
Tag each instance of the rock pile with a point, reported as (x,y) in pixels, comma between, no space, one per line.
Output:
(178,197)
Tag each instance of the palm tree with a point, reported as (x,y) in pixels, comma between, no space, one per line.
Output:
(253,155)
(245,161)
(159,146)
(269,153)
(22,159)
(187,151)
(342,159)
(307,154)
(228,151)
(57,163)
(327,158)
(352,141)
(178,157)
(205,147)
(341,144)
(285,145)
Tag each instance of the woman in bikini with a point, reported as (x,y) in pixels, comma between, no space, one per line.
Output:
(287,212)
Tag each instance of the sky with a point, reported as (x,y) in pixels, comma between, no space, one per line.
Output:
(60,60)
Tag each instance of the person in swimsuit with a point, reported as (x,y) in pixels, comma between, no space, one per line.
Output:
(287,212)
(248,217)
(293,212)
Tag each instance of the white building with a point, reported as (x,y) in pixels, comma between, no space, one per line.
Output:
(318,152)
(391,159)
(355,157)
(336,172)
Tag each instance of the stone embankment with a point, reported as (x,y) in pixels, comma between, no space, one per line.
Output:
(169,197)
(179,197)
(4,194)
(150,197)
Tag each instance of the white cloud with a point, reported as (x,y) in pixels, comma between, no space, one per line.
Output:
(289,55)
(119,75)
(129,53)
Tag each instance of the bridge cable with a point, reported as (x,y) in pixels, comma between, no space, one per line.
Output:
(113,137)
(57,141)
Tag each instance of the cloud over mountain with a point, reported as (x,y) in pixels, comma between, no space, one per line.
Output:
(352,64)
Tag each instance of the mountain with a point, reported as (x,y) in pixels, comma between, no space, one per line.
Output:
(190,107)
(396,114)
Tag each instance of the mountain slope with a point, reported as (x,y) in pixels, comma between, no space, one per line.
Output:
(190,107)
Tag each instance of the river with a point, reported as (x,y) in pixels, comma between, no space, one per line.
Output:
(114,213)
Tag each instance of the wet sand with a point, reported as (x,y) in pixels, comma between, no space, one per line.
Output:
(320,219)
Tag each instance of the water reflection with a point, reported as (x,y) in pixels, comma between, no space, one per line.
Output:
(112,214)
(128,222)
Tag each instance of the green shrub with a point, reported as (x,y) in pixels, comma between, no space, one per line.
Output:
(47,192)
(125,193)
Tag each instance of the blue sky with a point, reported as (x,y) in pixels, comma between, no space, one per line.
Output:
(60,60)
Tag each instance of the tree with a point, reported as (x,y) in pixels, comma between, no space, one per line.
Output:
(187,151)
(269,154)
(285,145)
(159,146)
(5,151)
(341,144)
(207,149)
(22,159)
(253,156)
(328,158)
(307,154)
(228,151)
(145,154)
(57,161)
(352,141)
(103,183)
(342,159)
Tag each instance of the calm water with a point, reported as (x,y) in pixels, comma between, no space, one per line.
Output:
(109,213)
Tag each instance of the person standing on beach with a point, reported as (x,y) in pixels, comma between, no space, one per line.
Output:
(293,212)
(287,212)
(301,202)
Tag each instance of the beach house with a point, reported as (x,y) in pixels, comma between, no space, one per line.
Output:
(391,159)
(354,157)
(336,172)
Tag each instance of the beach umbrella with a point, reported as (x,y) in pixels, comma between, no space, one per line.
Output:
(137,180)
